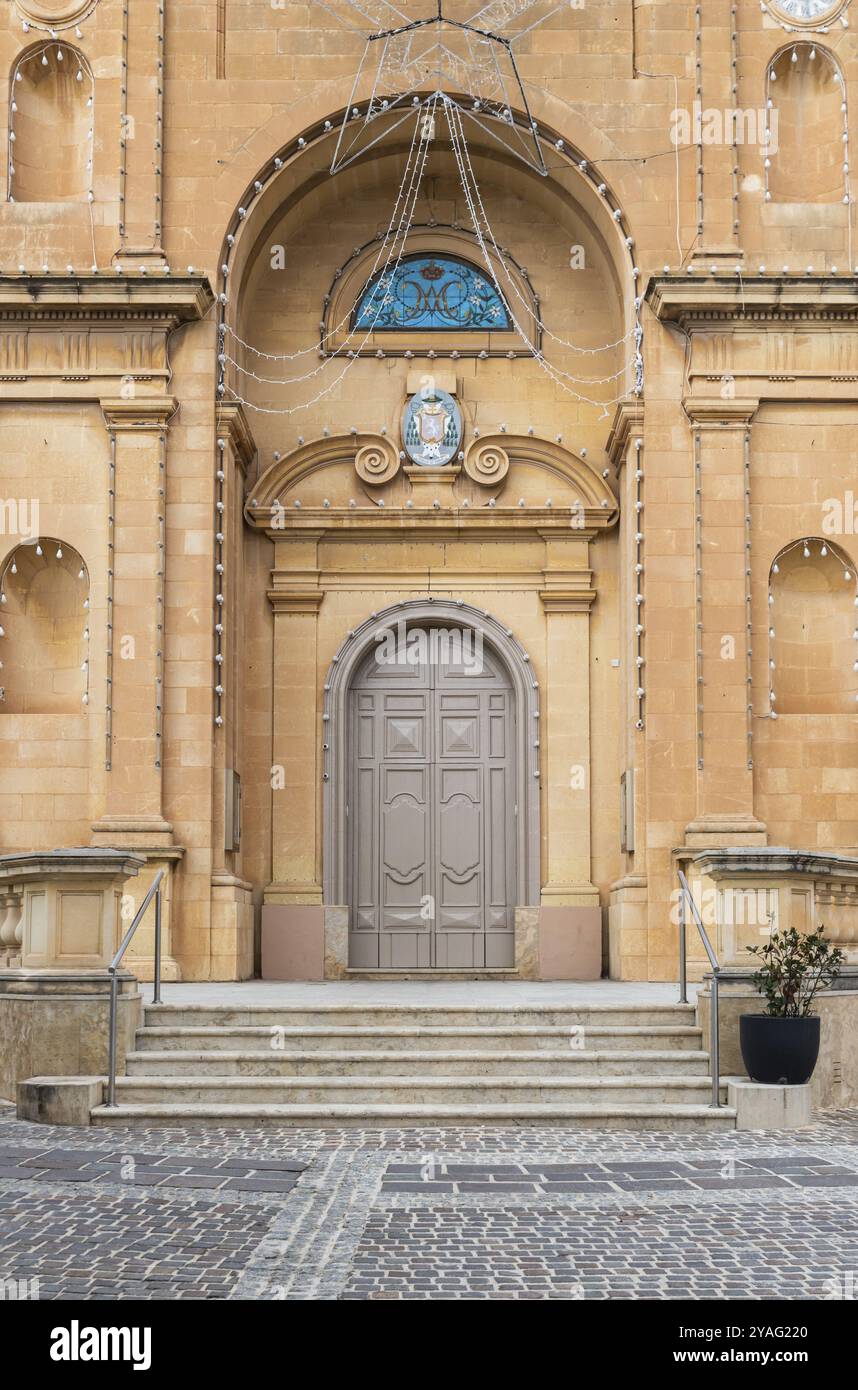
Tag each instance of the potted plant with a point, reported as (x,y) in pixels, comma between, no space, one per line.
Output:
(780,1047)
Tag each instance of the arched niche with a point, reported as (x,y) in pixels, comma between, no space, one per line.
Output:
(806,152)
(44,587)
(349,660)
(813,619)
(288,237)
(50,125)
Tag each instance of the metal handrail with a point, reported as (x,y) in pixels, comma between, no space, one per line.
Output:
(685,895)
(154,892)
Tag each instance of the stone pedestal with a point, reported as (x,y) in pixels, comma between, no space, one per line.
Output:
(55,998)
(768,1107)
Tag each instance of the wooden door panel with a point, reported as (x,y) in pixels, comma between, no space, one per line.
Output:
(432,817)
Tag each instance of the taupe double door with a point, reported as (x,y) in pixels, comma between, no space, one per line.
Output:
(431,813)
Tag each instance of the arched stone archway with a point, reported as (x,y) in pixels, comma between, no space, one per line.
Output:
(518,767)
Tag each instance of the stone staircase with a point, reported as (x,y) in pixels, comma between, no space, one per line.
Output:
(631,1066)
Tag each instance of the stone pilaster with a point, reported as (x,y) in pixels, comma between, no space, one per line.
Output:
(133,809)
(142,134)
(567,597)
(715,98)
(725,787)
(296,598)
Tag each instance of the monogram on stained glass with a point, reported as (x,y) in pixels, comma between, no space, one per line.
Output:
(432,293)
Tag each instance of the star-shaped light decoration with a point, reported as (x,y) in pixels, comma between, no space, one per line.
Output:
(447,54)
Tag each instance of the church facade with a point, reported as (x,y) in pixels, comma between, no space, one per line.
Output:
(422,562)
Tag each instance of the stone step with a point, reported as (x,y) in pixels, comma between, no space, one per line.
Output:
(444,1063)
(667,1118)
(370,1090)
(304,1038)
(342,1015)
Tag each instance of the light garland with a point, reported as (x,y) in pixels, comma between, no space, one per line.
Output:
(640,599)
(734,143)
(224,358)
(417,169)
(556,374)
(849,577)
(224,391)
(698,599)
(635,332)
(698,90)
(319,345)
(160,598)
(405,68)
(111,563)
(749,627)
(123,125)
(159,126)
(220,523)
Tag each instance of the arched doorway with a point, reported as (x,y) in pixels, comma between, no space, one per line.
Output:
(431,803)
(431,776)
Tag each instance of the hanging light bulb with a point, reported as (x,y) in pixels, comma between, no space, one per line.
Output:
(806,551)
(44,60)
(776,569)
(14,568)
(847,575)
(59,554)
(38,550)
(824,551)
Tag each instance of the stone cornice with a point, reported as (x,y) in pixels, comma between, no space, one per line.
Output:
(567,600)
(167,300)
(139,413)
(232,425)
(751,860)
(296,600)
(628,421)
(424,523)
(715,411)
(703,302)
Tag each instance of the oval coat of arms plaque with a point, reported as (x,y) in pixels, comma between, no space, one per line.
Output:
(431,428)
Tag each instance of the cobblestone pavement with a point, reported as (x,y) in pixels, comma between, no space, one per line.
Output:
(495,1213)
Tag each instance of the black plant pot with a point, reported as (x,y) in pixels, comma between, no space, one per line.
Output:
(779,1051)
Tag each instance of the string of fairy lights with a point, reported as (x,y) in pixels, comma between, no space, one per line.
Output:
(390,249)
(483,231)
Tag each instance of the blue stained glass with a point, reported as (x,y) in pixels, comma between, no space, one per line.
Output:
(432,293)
